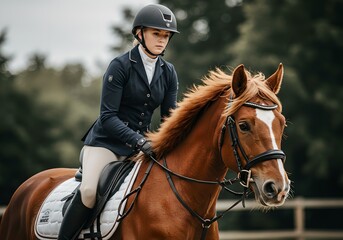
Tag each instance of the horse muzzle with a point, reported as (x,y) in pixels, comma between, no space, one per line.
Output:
(271,193)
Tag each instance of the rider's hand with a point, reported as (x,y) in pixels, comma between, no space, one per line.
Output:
(144,146)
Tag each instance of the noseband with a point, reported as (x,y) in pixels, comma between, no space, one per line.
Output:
(244,173)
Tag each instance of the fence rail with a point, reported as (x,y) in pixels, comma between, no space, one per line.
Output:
(2,210)
(299,233)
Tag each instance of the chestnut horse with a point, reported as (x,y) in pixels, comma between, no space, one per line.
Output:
(228,122)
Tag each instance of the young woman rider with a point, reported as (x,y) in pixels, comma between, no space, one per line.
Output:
(134,85)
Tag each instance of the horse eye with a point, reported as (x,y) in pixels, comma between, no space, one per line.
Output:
(244,126)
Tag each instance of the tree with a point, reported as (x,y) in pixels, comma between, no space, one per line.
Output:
(72,95)
(28,133)
(306,37)
(45,112)
(37,62)
(309,44)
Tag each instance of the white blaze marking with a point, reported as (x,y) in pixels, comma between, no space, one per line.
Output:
(267,117)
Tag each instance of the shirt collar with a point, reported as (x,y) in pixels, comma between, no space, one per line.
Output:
(145,58)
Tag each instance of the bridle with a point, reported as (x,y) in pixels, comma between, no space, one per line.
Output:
(244,173)
(243,176)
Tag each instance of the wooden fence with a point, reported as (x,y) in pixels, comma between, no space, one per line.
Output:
(299,233)
(2,210)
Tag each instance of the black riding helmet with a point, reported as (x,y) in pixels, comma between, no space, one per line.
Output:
(154,16)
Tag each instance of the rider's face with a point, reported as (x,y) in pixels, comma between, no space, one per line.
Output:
(156,40)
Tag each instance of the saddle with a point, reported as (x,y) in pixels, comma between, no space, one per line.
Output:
(111,178)
(115,185)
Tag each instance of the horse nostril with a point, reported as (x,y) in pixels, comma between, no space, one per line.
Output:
(269,189)
(281,197)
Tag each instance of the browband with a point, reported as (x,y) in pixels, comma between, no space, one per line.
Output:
(260,106)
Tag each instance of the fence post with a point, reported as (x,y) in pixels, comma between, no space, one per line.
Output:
(299,220)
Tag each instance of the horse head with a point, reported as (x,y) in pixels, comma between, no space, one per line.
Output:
(255,129)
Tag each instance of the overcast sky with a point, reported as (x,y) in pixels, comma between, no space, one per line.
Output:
(66,31)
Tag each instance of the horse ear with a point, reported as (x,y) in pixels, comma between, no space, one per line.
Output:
(275,80)
(239,80)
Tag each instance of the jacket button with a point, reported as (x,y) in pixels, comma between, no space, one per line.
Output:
(148,95)
(140,123)
(142,114)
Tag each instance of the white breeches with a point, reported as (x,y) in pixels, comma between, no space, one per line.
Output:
(93,161)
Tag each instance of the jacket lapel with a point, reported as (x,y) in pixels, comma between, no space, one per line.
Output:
(158,70)
(138,65)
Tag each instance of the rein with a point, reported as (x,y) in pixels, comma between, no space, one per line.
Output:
(205,223)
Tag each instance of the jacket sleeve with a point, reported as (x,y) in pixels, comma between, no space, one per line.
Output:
(113,84)
(170,98)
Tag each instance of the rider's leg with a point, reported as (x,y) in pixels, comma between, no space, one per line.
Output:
(94,160)
(74,218)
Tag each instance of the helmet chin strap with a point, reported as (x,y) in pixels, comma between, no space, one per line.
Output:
(142,41)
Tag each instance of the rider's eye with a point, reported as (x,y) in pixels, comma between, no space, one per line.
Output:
(244,126)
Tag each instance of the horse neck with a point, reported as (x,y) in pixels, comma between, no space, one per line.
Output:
(197,156)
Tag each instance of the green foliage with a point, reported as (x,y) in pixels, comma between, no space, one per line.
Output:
(27,133)
(309,43)
(44,113)
(73,97)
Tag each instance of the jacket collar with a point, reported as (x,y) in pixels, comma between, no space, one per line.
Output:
(135,58)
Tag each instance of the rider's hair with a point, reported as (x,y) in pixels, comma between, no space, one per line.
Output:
(135,41)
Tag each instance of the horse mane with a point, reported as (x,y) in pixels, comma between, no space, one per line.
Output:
(215,84)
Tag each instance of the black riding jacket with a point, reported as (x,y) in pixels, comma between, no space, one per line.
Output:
(128,102)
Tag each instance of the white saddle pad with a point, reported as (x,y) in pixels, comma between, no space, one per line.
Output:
(49,218)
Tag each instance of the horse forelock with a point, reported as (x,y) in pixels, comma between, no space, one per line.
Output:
(217,83)
(256,88)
